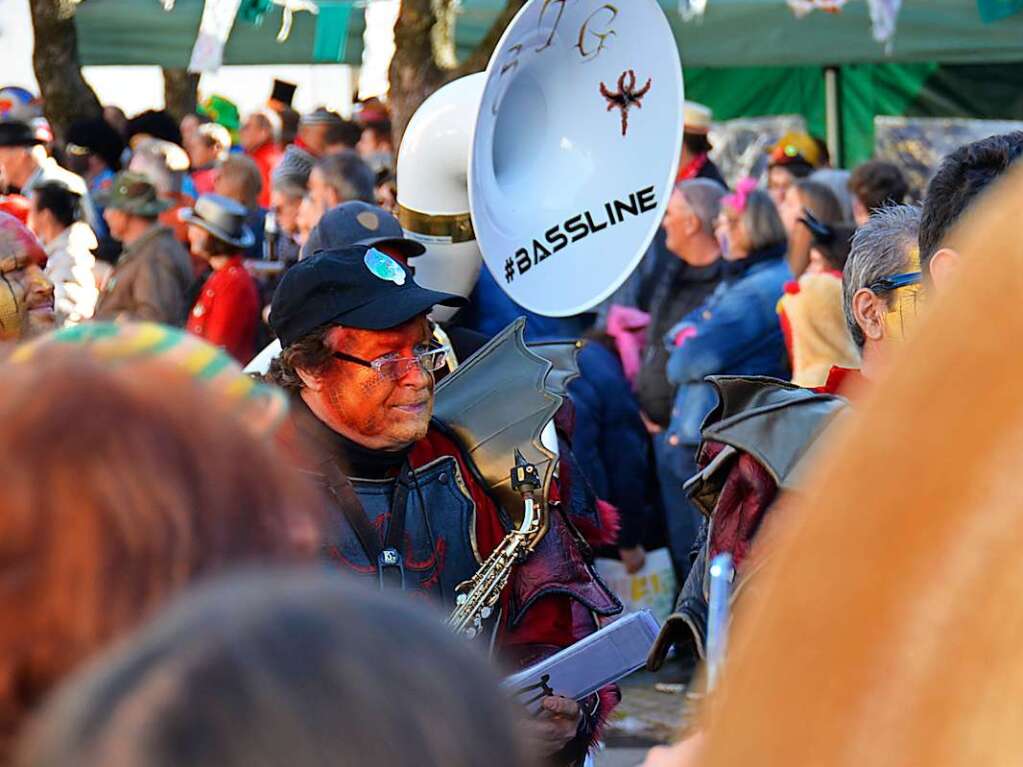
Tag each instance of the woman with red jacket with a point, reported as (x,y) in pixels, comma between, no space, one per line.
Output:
(226,313)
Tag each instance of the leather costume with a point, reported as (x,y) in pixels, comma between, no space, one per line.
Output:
(753,444)
(445,500)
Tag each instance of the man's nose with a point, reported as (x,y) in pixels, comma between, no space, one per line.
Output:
(417,377)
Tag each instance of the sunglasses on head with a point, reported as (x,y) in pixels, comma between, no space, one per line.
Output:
(894,282)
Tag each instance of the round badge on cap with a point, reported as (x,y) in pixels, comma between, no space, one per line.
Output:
(384,267)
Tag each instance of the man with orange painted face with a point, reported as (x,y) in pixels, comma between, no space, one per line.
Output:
(406,504)
(26,294)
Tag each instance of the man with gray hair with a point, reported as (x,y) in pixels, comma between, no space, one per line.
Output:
(682,285)
(340,177)
(685,284)
(881,284)
(755,441)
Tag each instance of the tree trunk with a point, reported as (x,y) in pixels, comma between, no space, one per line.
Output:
(180,91)
(66,94)
(424,58)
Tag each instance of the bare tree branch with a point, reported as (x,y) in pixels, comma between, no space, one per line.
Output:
(66,94)
(180,91)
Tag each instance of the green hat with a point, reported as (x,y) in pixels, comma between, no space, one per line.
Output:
(133,193)
(222,111)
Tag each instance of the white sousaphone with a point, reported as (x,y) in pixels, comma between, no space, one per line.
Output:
(556,164)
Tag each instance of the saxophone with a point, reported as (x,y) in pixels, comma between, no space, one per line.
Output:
(478,596)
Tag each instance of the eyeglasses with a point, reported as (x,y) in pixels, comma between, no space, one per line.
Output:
(392,368)
(896,281)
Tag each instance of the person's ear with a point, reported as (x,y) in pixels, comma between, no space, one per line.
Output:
(943,267)
(311,381)
(869,311)
(693,225)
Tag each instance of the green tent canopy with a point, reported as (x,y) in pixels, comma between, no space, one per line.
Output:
(124,32)
(751,58)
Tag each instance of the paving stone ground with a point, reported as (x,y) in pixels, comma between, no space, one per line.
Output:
(644,718)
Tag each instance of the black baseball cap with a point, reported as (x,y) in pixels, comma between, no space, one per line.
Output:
(359,223)
(358,287)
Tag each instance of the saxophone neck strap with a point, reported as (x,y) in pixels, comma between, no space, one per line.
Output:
(387,555)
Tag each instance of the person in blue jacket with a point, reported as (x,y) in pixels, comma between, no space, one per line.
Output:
(611,446)
(735,332)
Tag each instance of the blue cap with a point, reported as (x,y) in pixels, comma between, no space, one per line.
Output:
(359,223)
(358,287)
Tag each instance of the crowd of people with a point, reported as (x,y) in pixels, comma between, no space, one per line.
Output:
(145,260)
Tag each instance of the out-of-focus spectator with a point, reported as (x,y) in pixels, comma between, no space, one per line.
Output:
(811,312)
(26,294)
(290,184)
(696,146)
(308,658)
(343,136)
(285,203)
(339,178)
(239,179)
(874,185)
(313,129)
(689,224)
(24,165)
(260,135)
(289,126)
(70,265)
(209,146)
(226,313)
(93,150)
(99,533)
(837,180)
(165,165)
(189,125)
(281,95)
(152,123)
(308,217)
(735,331)
(610,445)
(224,111)
(806,195)
(376,145)
(154,271)
(387,191)
(795,156)
(117,119)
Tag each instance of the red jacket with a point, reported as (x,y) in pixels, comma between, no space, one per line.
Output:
(227,311)
(267,156)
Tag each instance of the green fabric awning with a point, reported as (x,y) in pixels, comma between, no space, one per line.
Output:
(751,58)
(123,32)
(765,33)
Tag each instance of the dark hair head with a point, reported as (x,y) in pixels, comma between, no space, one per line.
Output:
(349,176)
(156,123)
(302,668)
(289,125)
(820,200)
(346,133)
(696,143)
(310,353)
(877,184)
(963,175)
(59,200)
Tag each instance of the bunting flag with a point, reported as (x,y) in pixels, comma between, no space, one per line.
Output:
(883,15)
(214,29)
(803,7)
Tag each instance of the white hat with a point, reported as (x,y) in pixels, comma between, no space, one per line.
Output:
(697,117)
